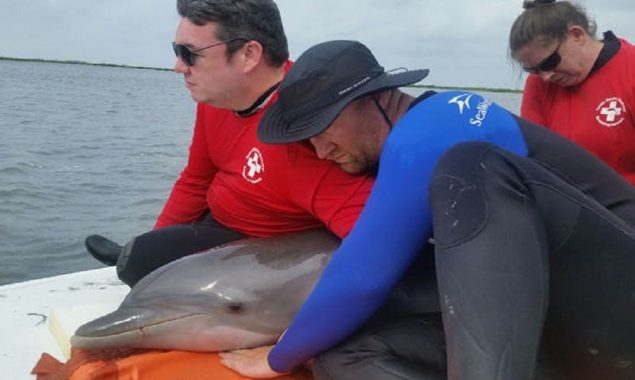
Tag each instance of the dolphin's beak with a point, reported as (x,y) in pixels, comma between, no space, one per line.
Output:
(117,322)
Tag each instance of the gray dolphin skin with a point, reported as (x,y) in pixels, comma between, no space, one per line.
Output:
(242,294)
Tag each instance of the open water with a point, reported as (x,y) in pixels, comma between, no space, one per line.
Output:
(83,149)
(88,149)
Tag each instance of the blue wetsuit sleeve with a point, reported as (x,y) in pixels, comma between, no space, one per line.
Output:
(395,223)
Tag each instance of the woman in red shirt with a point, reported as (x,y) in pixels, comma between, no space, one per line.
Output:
(581,87)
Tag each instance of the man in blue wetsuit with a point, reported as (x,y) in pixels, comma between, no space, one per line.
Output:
(534,237)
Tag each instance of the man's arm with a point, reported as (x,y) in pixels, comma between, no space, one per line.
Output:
(188,199)
(333,196)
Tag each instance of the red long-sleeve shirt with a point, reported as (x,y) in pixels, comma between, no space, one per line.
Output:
(259,189)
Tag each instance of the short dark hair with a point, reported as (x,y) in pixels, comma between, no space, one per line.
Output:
(548,21)
(257,20)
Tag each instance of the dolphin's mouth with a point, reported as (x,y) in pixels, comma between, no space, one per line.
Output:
(103,333)
(192,332)
(116,323)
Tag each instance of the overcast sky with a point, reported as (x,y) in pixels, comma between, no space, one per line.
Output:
(462,42)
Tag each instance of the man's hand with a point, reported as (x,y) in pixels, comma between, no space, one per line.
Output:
(250,363)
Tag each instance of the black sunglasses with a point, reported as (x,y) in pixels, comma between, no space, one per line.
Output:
(547,64)
(188,55)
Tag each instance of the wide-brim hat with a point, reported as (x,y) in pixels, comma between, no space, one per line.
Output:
(321,83)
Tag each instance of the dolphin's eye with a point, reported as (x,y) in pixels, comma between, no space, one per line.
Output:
(235,307)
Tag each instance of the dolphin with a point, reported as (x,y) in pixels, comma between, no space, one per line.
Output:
(239,295)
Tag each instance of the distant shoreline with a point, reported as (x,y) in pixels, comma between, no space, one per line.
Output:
(472,89)
(72,62)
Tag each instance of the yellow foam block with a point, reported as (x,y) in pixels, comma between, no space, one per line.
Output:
(63,321)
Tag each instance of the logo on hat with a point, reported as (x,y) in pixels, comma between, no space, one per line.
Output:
(611,112)
(354,86)
(463,101)
(254,167)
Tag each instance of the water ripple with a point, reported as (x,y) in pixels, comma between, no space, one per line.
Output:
(90,150)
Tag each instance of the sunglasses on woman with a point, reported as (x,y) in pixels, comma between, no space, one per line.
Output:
(547,64)
(188,55)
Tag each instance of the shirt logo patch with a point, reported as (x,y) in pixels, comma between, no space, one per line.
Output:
(481,112)
(463,101)
(254,167)
(611,112)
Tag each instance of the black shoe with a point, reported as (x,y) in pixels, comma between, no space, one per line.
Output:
(103,249)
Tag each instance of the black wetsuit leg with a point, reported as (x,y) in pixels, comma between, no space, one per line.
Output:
(153,249)
(411,348)
(403,340)
(518,249)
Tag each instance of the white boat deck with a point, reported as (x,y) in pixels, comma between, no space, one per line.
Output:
(26,309)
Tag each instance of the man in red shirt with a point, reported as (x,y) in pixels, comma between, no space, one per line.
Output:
(232,57)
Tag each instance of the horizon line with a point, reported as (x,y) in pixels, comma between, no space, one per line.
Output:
(77,62)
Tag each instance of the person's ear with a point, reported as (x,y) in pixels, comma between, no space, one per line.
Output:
(252,53)
(577,33)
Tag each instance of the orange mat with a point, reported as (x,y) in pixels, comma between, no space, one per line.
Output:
(125,364)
